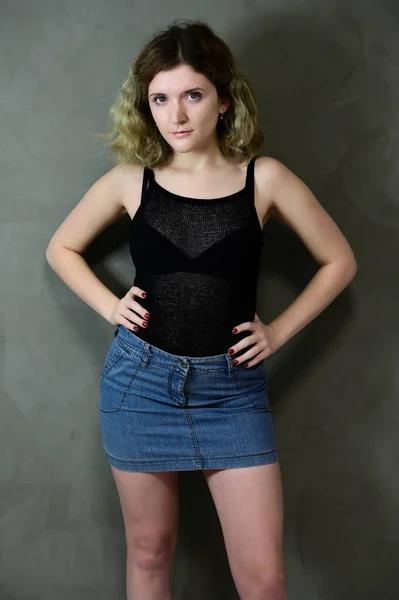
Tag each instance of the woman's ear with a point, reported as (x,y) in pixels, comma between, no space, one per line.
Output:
(224,104)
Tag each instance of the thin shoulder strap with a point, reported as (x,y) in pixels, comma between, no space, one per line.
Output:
(148,175)
(250,178)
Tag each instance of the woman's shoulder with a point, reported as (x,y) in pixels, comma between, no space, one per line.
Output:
(128,172)
(128,179)
(269,170)
(268,162)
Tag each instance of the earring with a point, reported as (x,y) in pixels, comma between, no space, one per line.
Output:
(221,116)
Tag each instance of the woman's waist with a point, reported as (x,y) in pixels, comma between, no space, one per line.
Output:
(180,339)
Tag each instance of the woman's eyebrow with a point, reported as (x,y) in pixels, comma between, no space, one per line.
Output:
(186,92)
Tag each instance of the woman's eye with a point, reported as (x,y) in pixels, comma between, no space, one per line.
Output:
(156,98)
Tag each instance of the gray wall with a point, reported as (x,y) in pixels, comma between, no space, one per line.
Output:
(326,76)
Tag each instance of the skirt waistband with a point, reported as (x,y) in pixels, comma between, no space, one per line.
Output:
(147,350)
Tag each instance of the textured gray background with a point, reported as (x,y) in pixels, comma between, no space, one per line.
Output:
(326,78)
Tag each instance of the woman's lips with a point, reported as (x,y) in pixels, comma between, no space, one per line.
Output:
(181,133)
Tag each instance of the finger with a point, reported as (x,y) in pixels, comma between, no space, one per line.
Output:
(128,323)
(126,312)
(136,291)
(250,364)
(247,362)
(248,340)
(243,326)
(137,319)
(135,306)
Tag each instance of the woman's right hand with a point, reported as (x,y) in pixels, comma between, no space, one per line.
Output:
(128,311)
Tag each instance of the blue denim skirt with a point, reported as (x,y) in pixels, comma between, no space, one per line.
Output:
(166,412)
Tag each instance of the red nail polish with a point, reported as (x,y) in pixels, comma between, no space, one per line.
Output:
(145,324)
(231,351)
(143,294)
(235,330)
(235,361)
(135,328)
(147,315)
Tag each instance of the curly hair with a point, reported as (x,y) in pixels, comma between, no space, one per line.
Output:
(135,137)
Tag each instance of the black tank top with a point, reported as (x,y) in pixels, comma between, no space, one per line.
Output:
(198,261)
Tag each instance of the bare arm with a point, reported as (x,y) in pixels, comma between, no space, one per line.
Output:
(100,206)
(292,201)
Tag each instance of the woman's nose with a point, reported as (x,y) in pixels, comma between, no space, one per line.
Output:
(177,114)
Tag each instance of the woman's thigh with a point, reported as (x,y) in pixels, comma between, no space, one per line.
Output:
(249,503)
(149,503)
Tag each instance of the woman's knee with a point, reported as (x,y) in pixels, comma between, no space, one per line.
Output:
(151,550)
(150,510)
(263,586)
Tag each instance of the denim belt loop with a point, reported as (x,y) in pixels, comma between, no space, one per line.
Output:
(146,354)
(230,365)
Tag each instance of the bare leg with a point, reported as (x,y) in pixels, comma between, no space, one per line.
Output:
(249,503)
(149,504)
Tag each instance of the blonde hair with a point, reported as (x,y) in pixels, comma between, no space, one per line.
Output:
(135,137)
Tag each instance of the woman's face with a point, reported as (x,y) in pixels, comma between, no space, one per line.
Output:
(183,100)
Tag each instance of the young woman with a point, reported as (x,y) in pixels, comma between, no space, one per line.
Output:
(184,384)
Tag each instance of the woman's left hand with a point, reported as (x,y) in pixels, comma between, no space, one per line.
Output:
(263,342)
